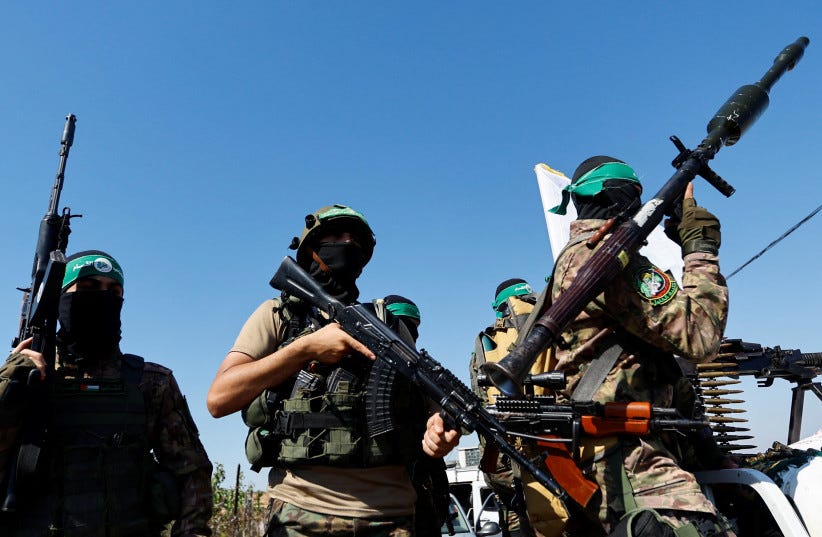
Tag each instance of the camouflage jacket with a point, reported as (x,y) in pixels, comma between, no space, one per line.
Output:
(176,444)
(648,306)
(171,433)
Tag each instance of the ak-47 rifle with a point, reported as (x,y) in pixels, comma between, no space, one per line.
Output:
(559,427)
(730,122)
(460,405)
(38,320)
(737,357)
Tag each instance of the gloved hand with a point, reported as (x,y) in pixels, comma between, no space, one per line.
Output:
(698,231)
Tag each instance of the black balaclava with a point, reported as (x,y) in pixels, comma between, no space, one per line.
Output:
(89,320)
(617,196)
(89,326)
(336,266)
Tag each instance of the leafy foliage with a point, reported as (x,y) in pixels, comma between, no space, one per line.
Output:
(239,510)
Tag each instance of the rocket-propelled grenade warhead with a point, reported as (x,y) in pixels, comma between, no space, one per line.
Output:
(748,102)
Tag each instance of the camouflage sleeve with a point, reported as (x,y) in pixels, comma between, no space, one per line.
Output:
(687,320)
(176,444)
(13,382)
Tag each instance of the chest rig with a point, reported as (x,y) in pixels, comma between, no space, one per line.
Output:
(321,416)
(495,342)
(99,452)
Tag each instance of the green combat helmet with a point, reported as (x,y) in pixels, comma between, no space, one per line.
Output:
(331,219)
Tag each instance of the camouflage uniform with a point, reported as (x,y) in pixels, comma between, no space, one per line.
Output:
(170,431)
(288,520)
(656,318)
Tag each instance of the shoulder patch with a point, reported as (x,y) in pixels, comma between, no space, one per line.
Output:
(653,285)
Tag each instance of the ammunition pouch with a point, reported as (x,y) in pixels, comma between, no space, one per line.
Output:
(320,429)
(261,448)
(262,445)
(321,422)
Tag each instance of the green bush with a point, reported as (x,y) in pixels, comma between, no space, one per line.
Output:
(239,510)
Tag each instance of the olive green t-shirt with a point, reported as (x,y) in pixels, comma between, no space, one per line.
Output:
(352,492)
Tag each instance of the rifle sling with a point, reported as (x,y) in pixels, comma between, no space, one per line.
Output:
(598,369)
(600,366)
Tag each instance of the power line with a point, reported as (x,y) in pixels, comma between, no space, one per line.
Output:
(768,247)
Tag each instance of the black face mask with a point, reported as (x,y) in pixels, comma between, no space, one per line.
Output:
(345,261)
(617,197)
(89,326)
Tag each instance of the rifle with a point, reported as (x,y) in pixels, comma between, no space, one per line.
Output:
(737,357)
(460,405)
(560,427)
(727,126)
(38,320)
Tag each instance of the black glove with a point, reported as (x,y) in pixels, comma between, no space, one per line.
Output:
(698,231)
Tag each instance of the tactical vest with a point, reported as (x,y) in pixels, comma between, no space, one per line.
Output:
(99,460)
(319,416)
(495,342)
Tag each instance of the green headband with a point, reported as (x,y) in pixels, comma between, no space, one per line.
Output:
(517,289)
(592,182)
(340,210)
(92,265)
(404,309)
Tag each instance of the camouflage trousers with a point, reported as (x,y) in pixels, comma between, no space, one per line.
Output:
(657,482)
(288,520)
(634,473)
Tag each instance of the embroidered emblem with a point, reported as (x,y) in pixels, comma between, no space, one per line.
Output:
(654,285)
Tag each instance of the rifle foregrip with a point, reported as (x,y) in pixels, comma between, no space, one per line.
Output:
(597,427)
(632,410)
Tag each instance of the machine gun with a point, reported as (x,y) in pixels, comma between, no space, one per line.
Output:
(739,358)
(726,128)
(38,321)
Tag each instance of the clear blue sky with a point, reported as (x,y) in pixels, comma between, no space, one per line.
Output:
(207,130)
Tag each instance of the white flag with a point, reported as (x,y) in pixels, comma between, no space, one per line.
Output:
(661,250)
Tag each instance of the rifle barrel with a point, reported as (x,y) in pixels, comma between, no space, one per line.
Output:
(66,141)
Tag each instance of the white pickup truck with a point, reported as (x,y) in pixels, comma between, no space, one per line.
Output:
(755,502)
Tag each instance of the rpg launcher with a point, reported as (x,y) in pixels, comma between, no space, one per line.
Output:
(460,406)
(613,255)
(38,320)
(739,358)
